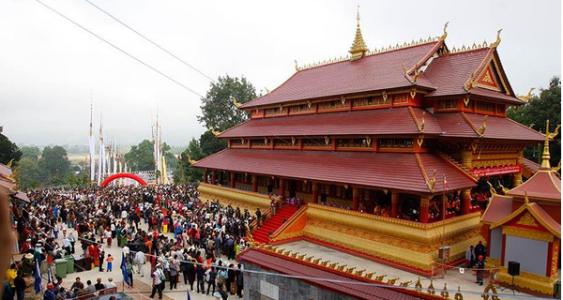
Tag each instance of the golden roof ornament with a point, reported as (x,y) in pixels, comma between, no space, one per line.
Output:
(235,101)
(545,165)
(359,48)
(216,132)
(497,42)
(527,97)
(445,34)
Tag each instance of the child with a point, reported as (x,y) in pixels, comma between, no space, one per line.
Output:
(109,260)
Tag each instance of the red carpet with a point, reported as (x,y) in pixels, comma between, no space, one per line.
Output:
(273,223)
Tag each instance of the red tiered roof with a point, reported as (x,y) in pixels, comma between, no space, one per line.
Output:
(545,185)
(392,121)
(371,73)
(465,125)
(448,73)
(399,171)
(368,122)
(339,283)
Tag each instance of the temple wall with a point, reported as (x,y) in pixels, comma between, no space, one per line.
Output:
(495,245)
(531,254)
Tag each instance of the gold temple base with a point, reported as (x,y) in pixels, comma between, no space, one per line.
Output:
(406,244)
(528,282)
(233,197)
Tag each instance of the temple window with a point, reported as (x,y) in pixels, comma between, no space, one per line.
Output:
(285,142)
(317,142)
(395,143)
(369,101)
(259,142)
(330,105)
(275,111)
(352,143)
(402,98)
(485,107)
(301,108)
(448,104)
(236,142)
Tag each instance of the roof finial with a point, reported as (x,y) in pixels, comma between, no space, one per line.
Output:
(445,34)
(359,48)
(545,164)
(497,42)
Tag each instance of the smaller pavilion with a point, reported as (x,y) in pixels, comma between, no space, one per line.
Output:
(524,226)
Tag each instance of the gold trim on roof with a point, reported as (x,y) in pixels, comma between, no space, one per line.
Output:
(359,47)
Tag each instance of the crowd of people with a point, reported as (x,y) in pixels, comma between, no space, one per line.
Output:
(167,226)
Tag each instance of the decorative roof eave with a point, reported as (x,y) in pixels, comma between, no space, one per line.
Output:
(532,208)
(472,94)
(491,204)
(492,56)
(407,88)
(413,71)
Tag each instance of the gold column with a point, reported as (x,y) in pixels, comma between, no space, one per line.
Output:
(518,176)
(467,158)
(466,201)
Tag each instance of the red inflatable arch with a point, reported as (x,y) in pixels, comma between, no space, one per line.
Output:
(123,175)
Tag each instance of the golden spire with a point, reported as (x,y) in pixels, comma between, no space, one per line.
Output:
(545,165)
(359,48)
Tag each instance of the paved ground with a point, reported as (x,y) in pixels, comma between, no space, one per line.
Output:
(470,289)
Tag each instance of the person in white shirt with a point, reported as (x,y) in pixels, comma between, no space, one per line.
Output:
(110,284)
(139,261)
(157,282)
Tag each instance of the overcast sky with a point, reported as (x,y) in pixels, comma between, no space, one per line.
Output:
(50,69)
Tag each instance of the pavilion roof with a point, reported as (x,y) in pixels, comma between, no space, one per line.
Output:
(338,281)
(400,171)
(371,73)
(538,213)
(544,185)
(367,122)
(461,124)
(499,207)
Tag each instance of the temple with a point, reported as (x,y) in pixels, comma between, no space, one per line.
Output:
(524,226)
(388,154)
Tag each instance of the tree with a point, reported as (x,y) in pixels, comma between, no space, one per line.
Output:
(27,173)
(218,109)
(141,156)
(31,152)
(54,165)
(535,113)
(184,172)
(9,151)
(209,144)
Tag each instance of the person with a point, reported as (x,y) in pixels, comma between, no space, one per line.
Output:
(480,250)
(99,285)
(77,284)
(101,265)
(50,293)
(20,286)
(222,293)
(189,272)
(273,206)
(240,280)
(200,273)
(211,280)
(109,261)
(258,217)
(480,270)
(470,256)
(173,272)
(139,261)
(90,288)
(157,282)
